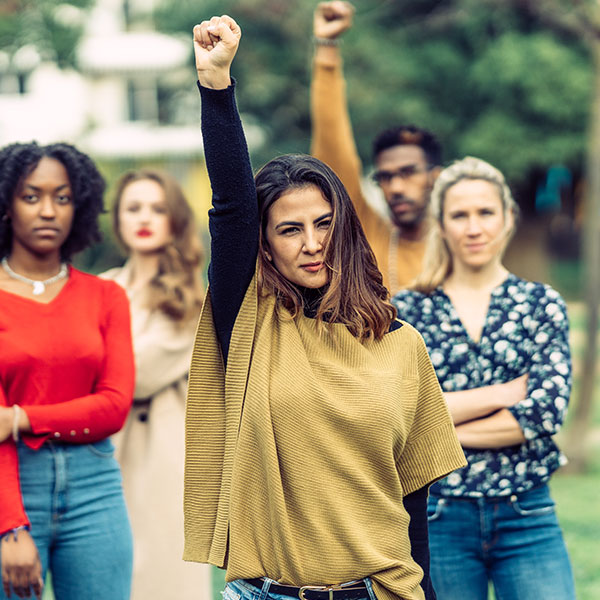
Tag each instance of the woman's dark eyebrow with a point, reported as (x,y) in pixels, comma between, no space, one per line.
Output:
(325,216)
(38,189)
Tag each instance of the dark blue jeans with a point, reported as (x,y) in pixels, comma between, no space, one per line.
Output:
(74,500)
(514,542)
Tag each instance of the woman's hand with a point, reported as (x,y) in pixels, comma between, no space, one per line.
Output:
(215,44)
(21,566)
(331,19)
(514,391)
(477,403)
(496,431)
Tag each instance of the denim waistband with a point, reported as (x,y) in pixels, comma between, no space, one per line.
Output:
(511,495)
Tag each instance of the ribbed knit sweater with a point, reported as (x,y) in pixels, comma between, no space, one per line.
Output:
(300,451)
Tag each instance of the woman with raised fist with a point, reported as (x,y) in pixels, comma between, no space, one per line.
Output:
(314,421)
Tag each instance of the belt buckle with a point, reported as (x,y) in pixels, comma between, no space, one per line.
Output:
(316,588)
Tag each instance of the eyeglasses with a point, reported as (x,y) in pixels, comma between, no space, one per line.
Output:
(385,177)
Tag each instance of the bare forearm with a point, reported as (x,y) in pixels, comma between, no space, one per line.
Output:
(24,424)
(472,404)
(328,55)
(476,403)
(498,430)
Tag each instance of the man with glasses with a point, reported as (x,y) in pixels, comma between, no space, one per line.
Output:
(406,158)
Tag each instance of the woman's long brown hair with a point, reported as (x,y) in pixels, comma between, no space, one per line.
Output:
(355,295)
(176,289)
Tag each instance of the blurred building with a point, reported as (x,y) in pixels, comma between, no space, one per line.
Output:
(130,96)
(130,99)
(138,92)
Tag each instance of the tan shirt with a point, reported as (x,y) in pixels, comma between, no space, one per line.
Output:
(150,450)
(162,346)
(399,260)
(298,457)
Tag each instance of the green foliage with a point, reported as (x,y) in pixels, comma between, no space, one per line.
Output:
(486,77)
(42,23)
(271,67)
(533,96)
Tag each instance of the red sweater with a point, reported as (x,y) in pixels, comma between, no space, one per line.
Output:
(69,365)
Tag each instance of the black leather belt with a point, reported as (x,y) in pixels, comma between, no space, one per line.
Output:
(349,591)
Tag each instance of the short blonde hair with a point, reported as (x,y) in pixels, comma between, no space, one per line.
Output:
(437,264)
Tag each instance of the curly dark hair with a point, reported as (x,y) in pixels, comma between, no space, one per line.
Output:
(409,135)
(19,160)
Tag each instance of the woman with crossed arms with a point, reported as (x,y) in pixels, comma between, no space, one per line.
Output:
(500,348)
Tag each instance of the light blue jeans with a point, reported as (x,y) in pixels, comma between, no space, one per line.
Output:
(514,542)
(74,500)
(240,589)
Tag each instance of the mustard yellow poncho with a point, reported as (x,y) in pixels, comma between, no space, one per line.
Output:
(299,455)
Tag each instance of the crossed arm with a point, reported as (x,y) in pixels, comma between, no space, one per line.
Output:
(481,415)
(530,406)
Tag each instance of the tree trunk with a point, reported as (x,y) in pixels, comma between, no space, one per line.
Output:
(591,237)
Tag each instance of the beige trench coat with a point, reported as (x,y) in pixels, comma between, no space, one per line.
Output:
(150,449)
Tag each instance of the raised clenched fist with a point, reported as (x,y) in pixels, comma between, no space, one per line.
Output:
(215,44)
(331,19)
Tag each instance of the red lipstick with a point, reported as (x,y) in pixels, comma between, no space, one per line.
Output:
(144,233)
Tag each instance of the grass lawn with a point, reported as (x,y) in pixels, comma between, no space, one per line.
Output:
(578,509)
(576,495)
(218,582)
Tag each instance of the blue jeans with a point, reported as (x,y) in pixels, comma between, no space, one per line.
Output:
(240,589)
(515,542)
(74,500)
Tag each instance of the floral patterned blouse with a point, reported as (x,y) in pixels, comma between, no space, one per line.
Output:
(525,331)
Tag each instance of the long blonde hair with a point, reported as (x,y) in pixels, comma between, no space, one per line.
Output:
(437,263)
(176,289)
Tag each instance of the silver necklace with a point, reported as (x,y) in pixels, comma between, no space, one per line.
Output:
(39,287)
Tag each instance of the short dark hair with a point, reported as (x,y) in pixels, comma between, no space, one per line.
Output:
(19,160)
(404,135)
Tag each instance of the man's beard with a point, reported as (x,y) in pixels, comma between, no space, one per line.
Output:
(409,219)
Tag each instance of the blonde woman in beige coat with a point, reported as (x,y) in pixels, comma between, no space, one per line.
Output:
(155,224)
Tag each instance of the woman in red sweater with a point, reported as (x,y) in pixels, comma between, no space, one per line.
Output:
(66,384)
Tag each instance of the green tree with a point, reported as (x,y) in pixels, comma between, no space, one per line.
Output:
(53,27)
(580,20)
(488,77)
